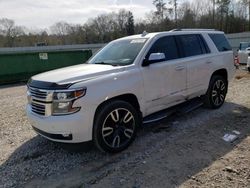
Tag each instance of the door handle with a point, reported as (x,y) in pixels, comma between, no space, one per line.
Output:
(179,68)
(209,62)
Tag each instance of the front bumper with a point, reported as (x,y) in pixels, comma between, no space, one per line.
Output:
(248,62)
(74,128)
(54,136)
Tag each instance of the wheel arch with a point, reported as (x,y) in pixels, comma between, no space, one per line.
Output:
(128,97)
(221,72)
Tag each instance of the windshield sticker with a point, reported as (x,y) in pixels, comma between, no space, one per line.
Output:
(138,41)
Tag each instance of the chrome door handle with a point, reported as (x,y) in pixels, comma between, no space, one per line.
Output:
(179,68)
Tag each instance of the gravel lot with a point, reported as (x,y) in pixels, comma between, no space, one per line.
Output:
(185,150)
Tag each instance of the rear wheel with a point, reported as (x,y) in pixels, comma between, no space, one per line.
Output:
(248,69)
(115,126)
(216,92)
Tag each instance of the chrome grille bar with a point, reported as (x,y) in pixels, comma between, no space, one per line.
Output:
(40,101)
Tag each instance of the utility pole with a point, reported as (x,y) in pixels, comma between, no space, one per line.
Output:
(175,12)
(249,15)
(214,13)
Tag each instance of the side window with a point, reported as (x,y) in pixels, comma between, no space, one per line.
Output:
(220,42)
(192,45)
(204,45)
(166,45)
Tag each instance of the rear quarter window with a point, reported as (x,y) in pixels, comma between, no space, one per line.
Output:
(220,42)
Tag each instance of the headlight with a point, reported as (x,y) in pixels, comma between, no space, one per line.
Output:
(63,101)
(69,95)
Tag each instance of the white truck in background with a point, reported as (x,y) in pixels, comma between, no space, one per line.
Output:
(243,52)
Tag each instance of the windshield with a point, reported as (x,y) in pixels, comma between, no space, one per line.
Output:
(244,45)
(119,53)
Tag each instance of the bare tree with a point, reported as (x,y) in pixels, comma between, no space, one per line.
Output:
(175,6)
(61,30)
(160,8)
(6,26)
(10,31)
(247,3)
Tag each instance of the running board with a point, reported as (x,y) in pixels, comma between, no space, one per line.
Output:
(158,116)
(190,106)
(182,108)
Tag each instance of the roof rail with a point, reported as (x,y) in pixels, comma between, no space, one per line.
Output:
(178,29)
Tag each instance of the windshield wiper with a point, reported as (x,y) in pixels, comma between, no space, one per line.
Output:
(104,63)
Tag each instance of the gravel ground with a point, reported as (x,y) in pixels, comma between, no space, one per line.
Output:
(185,150)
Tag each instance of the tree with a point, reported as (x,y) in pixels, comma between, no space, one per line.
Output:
(213,12)
(188,17)
(10,31)
(223,10)
(61,30)
(247,3)
(160,8)
(174,4)
(130,24)
(6,26)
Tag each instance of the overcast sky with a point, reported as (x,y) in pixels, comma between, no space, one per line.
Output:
(36,14)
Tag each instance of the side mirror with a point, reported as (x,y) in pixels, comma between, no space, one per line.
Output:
(154,58)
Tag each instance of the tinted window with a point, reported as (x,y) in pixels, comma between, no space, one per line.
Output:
(204,45)
(166,45)
(220,42)
(192,45)
(244,45)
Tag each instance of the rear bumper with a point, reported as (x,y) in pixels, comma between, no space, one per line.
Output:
(74,128)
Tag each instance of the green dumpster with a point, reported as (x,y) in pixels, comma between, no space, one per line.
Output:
(19,64)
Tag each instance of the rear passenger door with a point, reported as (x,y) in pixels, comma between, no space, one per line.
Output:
(195,54)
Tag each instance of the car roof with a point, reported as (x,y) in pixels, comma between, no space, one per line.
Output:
(172,32)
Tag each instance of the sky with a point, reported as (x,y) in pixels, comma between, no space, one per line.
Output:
(41,14)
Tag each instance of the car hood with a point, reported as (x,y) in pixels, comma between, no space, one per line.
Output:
(76,73)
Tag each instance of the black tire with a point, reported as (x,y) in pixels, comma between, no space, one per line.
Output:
(248,69)
(216,93)
(115,126)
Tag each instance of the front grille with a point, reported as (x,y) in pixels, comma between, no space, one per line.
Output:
(40,101)
(39,94)
(38,108)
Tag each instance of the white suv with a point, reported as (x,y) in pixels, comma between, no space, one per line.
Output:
(107,99)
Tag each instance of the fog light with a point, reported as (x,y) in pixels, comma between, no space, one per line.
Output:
(65,135)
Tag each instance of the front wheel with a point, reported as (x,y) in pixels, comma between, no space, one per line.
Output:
(115,126)
(216,92)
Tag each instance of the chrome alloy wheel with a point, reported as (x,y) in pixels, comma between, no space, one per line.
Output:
(218,92)
(118,128)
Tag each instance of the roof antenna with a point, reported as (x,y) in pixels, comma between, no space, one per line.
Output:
(144,33)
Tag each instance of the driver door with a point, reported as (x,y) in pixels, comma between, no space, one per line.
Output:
(164,81)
